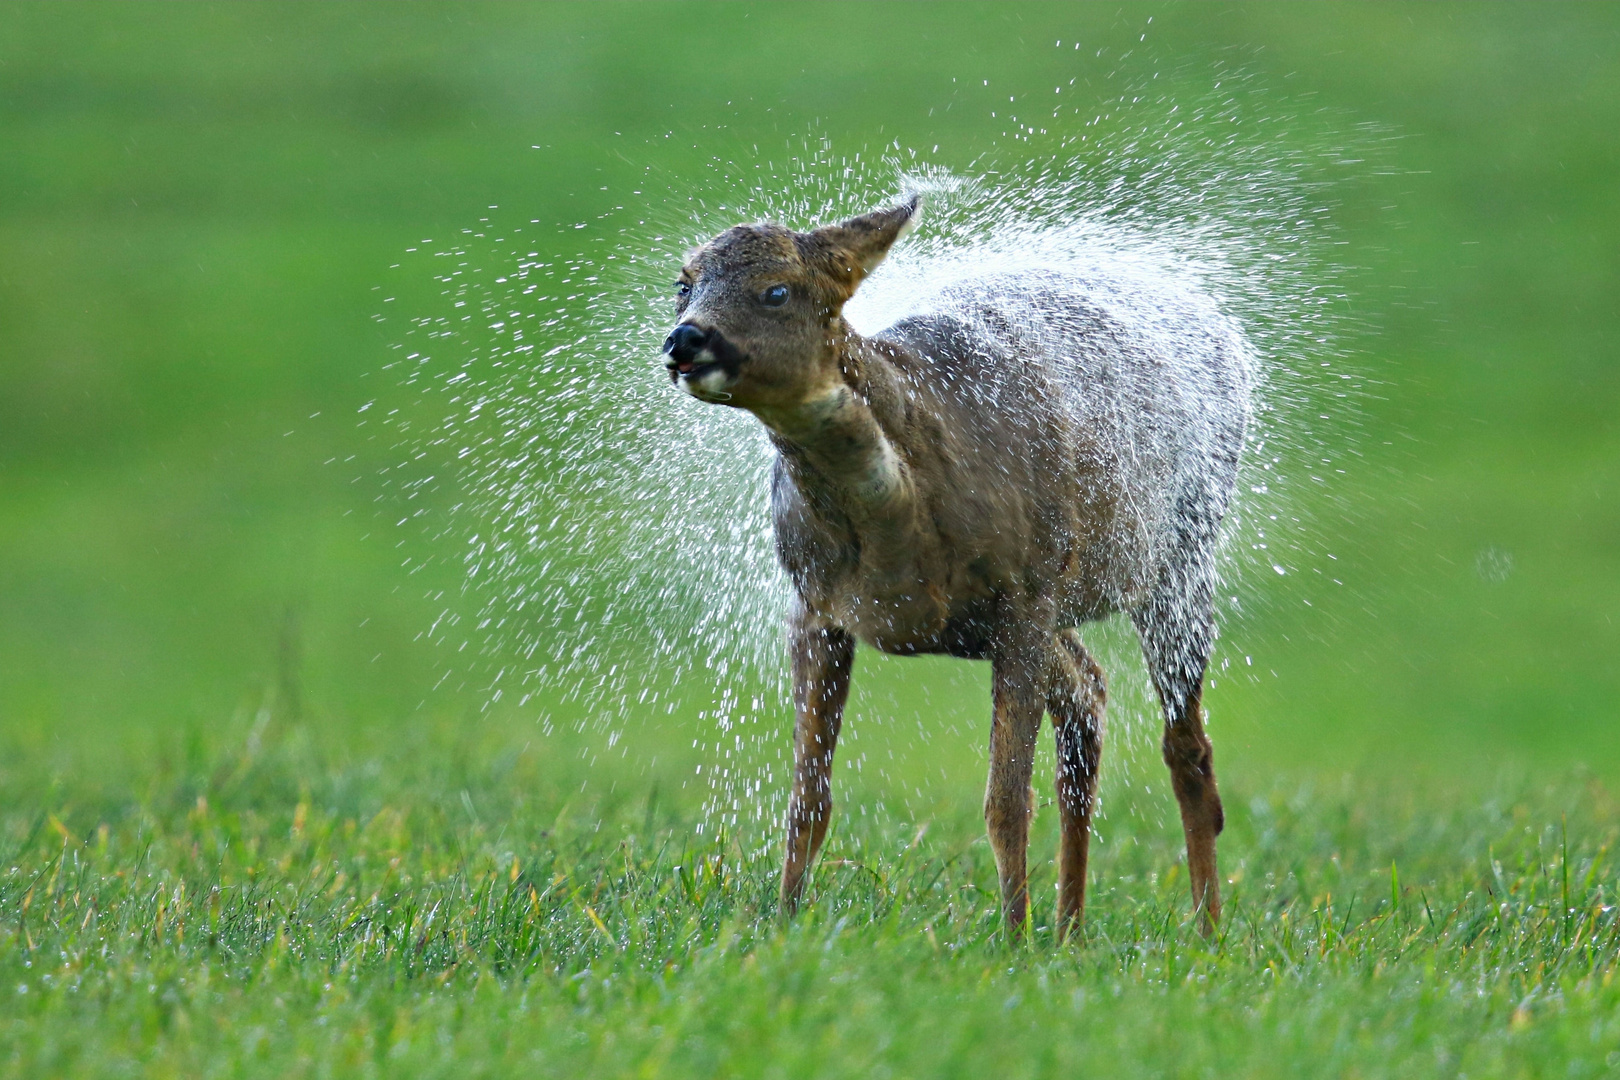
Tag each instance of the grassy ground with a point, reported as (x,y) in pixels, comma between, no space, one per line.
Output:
(265,908)
(242,833)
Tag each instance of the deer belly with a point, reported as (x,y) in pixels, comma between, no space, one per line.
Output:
(921,620)
(901,621)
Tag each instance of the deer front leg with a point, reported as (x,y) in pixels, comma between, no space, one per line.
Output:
(822,658)
(1018,682)
(1075,700)
(1192,773)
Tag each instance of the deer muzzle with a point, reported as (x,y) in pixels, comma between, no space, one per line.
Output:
(702,362)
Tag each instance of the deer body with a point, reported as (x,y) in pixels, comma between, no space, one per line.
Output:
(980,479)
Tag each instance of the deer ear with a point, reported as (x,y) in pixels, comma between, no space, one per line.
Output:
(850,250)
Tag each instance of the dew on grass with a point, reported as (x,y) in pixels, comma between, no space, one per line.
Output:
(613,535)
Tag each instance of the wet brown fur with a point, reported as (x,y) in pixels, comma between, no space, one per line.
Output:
(928,501)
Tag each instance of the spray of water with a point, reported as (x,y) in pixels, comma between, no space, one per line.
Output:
(614,535)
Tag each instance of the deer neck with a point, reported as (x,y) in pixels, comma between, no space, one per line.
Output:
(840,441)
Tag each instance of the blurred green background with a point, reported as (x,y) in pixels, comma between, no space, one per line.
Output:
(199,205)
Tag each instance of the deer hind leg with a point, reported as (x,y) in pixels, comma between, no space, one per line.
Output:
(1192,773)
(1075,700)
(1176,637)
(822,659)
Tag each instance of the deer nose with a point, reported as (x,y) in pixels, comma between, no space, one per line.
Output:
(684,343)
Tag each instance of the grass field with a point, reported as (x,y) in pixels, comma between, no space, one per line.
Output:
(246,829)
(271,910)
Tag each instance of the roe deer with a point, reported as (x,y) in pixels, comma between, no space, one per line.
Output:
(979,480)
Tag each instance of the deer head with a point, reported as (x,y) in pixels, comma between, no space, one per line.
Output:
(760,308)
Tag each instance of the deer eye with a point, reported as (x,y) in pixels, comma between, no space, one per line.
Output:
(775,296)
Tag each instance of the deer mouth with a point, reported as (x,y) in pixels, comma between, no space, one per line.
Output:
(708,371)
(687,366)
(710,381)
